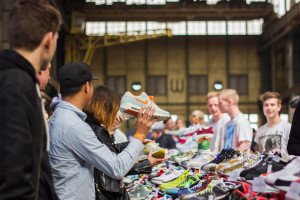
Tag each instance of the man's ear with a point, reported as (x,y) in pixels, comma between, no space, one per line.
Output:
(47,41)
(86,87)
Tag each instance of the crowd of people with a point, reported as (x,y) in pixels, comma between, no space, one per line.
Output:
(74,155)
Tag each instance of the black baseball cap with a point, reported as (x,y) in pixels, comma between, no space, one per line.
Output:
(74,74)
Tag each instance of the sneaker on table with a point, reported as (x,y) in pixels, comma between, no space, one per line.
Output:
(167,185)
(140,192)
(199,131)
(185,157)
(168,175)
(286,173)
(277,162)
(131,104)
(200,160)
(191,144)
(284,183)
(246,159)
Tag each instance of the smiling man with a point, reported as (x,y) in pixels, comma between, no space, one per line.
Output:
(273,135)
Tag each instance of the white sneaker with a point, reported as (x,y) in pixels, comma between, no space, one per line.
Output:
(169,175)
(131,104)
(286,173)
(200,160)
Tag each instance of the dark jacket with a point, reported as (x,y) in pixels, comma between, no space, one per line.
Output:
(110,187)
(24,163)
(293,146)
(166,141)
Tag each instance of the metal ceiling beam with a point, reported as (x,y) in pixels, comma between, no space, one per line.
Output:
(176,11)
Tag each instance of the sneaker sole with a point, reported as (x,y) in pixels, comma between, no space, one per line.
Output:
(134,110)
(159,154)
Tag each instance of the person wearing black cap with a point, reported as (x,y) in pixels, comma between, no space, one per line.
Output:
(293,146)
(33,28)
(74,147)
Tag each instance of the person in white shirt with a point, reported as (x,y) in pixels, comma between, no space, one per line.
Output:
(217,121)
(238,132)
(274,135)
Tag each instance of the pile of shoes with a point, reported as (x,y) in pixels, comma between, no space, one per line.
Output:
(192,172)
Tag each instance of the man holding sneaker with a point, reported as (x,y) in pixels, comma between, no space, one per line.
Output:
(75,149)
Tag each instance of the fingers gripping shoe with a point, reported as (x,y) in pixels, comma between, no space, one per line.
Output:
(157,152)
(131,104)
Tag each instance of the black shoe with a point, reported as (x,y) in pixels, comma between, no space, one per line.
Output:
(276,166)
(258,165)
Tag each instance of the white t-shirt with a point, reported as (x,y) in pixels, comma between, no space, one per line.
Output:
(217,141)
(238,129)
(272,139)
(120,137)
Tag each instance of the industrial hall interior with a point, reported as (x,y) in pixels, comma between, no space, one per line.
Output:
(150,99)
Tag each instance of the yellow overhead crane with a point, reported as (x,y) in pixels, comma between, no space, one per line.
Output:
(81,47)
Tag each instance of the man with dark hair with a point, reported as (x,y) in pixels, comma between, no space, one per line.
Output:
(24,164)
(74,147)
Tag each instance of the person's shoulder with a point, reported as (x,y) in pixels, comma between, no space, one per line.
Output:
(286,124)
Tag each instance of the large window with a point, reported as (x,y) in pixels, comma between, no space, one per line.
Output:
(117,83)
(252,27)
(239,83)
(198,85)
(157,85)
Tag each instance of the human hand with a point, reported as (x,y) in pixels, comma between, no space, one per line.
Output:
(118,122)
(155,161)
(144,122)
(147,141)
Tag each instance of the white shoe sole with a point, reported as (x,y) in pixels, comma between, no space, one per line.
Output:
(132,109)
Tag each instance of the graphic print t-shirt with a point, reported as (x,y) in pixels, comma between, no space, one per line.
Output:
(272,139)
(238,129)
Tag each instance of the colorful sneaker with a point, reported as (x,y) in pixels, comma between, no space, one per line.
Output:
(224,156)
(203,145)
(189,181)
(157,152)
(199,131)
(169,175)
(131,104)
(243,193)
(174,183)
(185,157)
(191,144)
(247,158)
(204,194)
(196,186)
(139,192)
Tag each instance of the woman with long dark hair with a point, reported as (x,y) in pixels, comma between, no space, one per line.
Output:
(102,114)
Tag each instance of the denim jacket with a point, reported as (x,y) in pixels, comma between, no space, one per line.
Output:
(75,151)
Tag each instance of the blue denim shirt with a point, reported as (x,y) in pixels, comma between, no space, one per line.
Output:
(75,151)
